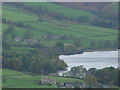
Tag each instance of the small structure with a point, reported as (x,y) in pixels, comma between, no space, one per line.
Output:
(18,39)
(65,85)
(68,85)
(48,81)
(54,36)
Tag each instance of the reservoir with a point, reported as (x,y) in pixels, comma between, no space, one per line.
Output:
(96,59)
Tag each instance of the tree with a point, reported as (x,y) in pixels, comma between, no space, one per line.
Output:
(92,71)
(101,23)
(10,29)
(4,20)
(13,35)
(83,19)
(107,44)
(91,81)
(36,45)
(115,44)
(28,34)
(39,19)
(78,71)
(100,44)
(19,24)
(92,44)
(107,76)
(5,44)
(77,43)
(15,63)
(60,45)
(4,79)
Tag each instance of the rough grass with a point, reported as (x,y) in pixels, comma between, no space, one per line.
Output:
(27,81)
(34,86)
(16,16)
(22,49)
(49,6)
(12,82)
(72,30)
(74,13)
(10,72)
(60,9)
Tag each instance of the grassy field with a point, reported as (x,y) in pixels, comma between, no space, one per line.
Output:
(61,9)
(10,72)
(16,79)
(71,30)
(17,16)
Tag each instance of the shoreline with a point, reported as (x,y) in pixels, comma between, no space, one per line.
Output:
(92,50)
(60,72)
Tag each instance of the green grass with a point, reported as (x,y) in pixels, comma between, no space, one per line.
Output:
(34,86)
(11,82)
(85,32)
(60,9)
(10,72)
(27,81)
(16,16)
(49,6)
(10,8)
(72,30)
(58,79)
(22,49)
(73,13)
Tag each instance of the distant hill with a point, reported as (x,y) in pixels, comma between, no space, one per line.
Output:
(42,20)
(91,6)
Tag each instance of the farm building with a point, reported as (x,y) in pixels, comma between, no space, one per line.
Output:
(47,81)
(19,39)
(54,36)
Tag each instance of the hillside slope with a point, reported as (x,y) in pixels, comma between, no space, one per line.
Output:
(72,30)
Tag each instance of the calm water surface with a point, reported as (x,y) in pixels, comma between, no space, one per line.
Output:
(96,59)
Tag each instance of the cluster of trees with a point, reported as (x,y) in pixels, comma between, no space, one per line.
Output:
(40,10)
(91,81)
(106,23)
(67,50)
(103,23)
(10,29)
(95,78)
(104,44)
(83,19)
(103,19)
(105,76)
(37,63)
(18,24)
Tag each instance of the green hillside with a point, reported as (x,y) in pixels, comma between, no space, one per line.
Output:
(41,28)
(15,79)
(60,9)
(35,34)
(14,15)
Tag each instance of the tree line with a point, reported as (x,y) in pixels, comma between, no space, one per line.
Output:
(97,78)
(36,63)
(103,19)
